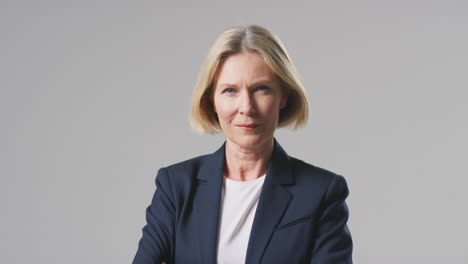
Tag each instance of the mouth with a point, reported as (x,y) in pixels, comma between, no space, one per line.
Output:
(247,127)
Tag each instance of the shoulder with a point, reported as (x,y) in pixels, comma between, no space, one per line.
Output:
(192,164)
(313,177)
(301,167)
(183,172)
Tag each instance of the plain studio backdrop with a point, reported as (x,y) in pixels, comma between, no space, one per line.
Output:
(95,98)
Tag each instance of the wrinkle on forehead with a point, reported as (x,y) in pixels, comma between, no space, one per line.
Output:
(243,69)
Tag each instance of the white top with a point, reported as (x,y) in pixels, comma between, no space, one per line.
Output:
(239,201)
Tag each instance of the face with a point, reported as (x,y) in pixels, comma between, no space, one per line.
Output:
(247,99)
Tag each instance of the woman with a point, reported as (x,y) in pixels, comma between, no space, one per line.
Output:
(248,202)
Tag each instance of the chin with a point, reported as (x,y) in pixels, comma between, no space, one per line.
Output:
(250,141)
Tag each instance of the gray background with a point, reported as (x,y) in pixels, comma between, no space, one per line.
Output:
(95,98)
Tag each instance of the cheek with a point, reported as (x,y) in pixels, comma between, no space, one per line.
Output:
(270,109)
(224,111)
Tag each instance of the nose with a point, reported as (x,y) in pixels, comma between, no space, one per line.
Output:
(247,104)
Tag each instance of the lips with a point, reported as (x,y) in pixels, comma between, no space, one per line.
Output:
(248,125)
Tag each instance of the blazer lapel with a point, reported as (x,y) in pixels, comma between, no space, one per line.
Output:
(206,204)
(273,201)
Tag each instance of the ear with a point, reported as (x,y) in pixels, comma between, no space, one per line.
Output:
(211,98)
(284,99)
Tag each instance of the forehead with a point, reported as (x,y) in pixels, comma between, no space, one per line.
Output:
(244,67)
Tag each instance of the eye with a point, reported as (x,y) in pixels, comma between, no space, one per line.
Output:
(263,88)
(228,90)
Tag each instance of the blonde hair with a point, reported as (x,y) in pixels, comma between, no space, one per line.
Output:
(248,38)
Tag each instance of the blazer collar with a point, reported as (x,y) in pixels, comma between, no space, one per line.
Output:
(274,200)
(279,162)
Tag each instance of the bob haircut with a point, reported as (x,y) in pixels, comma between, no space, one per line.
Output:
(248,38)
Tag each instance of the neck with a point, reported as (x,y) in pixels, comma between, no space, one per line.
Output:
(244,164)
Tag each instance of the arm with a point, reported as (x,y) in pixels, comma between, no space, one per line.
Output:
(333,243)
(157,242)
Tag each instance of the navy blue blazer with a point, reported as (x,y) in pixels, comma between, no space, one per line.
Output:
(301,214)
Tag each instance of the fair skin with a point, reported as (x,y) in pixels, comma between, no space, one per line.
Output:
(247,98)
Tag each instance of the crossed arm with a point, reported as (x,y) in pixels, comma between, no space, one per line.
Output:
(157,242)
(333,243)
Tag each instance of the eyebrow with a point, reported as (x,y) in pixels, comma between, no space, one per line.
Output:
(262,81)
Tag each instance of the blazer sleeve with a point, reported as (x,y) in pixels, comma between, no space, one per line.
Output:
(157,243)
(333,243)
